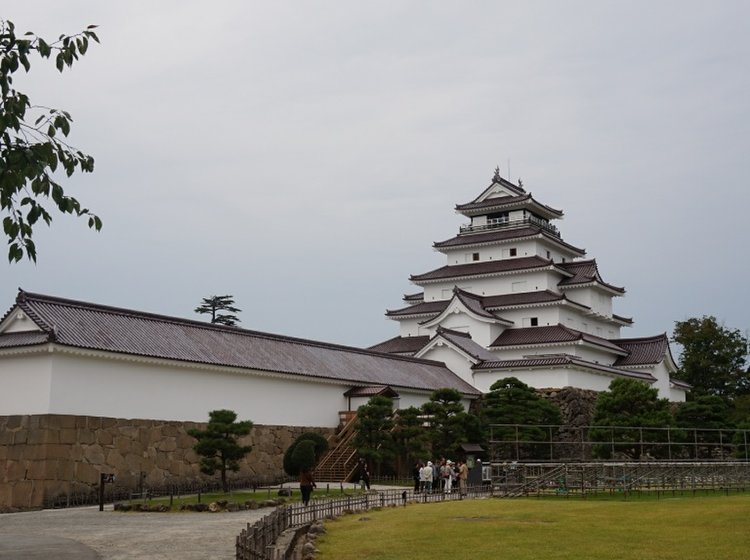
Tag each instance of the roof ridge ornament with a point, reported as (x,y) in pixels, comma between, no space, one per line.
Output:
(496,178)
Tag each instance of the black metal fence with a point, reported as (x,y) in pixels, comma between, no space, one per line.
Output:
(583,479)
(555,443)
(83,494)
(256,542)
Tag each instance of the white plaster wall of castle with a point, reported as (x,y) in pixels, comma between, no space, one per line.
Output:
(494,285)
(590,325)
(524,316)
(455,361)
(599,301)
(594,354)
(519,352)
(411,327)
(546,378)
(482,332)
(662,374)
(26,383)
(66,383)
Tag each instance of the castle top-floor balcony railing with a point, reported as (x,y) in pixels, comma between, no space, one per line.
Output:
(499,223)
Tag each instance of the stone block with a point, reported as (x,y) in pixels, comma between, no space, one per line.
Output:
(15,452)
(15,470)
(109,423)
(86,436)
(64,470)
(66,421)
(76,452)
(86,473)
(6,495)
(20,436)
(154,435)
(6,437)
(115,460)
(122,444)
(43,436)
(37,470)
(94,423)
(167,445)
(21,494)
(94,454)
(16,421)
(34,452)
(3,452)
(129,431)
(58,451)
(104,437)
(68,435)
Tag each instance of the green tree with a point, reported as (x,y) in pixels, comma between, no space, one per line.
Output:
(713,357)
(449,424)
(32,141)
(319,446)
(303,456)
(620,413)
(214,306)
(410,437)
(218,444)
(510,401)
(703,418)
(374,440)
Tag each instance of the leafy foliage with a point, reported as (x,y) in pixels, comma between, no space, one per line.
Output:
(374,440)
(319,445)
(510,401)
(449,424)
(713,357)
(628,405)
(218,444)
(214,305)
(303,456)
(31,154)
(410,437)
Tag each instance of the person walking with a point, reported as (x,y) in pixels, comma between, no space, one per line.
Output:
(306,484)
(448,475)
(427,474)
(415,475)
(364,475)
(463,475)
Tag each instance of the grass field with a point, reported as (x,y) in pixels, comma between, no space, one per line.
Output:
(683,528)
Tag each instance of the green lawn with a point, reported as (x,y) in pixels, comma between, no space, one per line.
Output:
(683,528)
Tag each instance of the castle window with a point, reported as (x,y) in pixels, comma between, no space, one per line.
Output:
(513,252)
(475,256)
(534,321)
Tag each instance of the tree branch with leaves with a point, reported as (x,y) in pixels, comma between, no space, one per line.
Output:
(32,154)
(214,305)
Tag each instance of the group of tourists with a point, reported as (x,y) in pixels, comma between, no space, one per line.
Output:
(441,476)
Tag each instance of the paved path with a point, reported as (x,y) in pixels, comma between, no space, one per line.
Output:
(88,534)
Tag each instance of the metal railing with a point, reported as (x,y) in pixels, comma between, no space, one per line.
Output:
(257,541)
(582,479)
(555,443)
(496,223)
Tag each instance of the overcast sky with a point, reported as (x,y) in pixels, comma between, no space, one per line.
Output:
(304,156)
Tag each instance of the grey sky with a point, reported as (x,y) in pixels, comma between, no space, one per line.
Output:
(304,156)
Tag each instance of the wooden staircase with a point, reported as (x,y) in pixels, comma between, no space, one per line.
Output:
(339,464)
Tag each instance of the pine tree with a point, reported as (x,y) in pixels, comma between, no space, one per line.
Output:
(214,305)
(218,444)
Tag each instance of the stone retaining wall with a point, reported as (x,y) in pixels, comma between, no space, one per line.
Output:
(45,457)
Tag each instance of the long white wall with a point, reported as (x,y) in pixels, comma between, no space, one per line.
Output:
(25,382)
(64,383)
